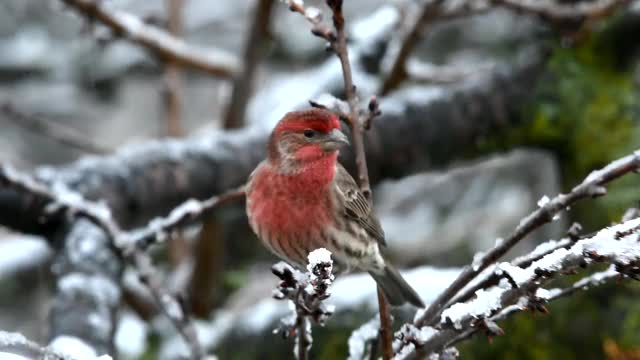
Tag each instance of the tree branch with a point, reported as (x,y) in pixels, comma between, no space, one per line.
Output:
(159,228)
(307,291)
(17,344)
(214,62)
(253,51)
(396,60)
(55,131)
(592,186)
(616,245)
(88,281)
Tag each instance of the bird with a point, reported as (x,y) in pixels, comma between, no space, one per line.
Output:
(300,198)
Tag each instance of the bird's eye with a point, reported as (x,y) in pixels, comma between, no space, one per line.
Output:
(308,133)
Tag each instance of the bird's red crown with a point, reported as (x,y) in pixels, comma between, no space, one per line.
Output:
(316,119)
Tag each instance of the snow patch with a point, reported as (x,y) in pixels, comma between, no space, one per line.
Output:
(318,257)
(485,303)
(131,336)
(359,338)
(73,347)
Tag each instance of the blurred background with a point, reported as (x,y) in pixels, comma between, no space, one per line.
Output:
(548,101)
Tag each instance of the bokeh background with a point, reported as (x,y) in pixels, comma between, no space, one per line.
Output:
(578,111)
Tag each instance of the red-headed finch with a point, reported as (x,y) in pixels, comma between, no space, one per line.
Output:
(300,199)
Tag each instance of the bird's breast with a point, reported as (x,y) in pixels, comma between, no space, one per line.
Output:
(288,205)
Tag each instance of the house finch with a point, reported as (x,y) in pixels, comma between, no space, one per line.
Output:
(300,199)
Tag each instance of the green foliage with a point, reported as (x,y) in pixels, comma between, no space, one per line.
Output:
(585,109)
(576,328)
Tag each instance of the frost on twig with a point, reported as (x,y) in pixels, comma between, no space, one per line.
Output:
(62,348)
(307,292)
(521,288)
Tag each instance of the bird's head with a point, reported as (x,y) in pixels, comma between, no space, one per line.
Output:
(306,136)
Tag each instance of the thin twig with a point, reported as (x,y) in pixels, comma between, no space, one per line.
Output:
(357,119)
(587,283)
(494,277)
(157,229)
(592,186)
(53,130)
(386,334)
(215,62)
(253,51)
(171,80)
(397,72)
(616,245)
(17,344)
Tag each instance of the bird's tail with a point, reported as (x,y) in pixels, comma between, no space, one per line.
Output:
(395,287)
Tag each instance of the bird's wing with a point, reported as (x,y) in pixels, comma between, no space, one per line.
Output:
(355,205)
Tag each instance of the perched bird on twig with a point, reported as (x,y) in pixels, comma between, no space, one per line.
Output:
(300,199)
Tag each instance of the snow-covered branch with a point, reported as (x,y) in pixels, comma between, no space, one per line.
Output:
(89,269)
(521,288)
(592,186)
(62,349)
(307,291)
(557,11)
(159,228)
(215,62)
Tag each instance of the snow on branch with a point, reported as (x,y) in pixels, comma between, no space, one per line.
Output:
(60,199)
(521,288)
(215,62)
(592,186)
(307,291)
(158,229)
(63,349)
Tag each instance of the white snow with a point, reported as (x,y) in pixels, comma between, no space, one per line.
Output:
(485,303)
(9,356)
(105,289)
(547,246)
(518,274)
(477,260)
(597,174)
(381,22)
(547,294)
(171,306)
(596,278)
(317,257)
(22,252)
(73,347)
(313,14)
(131,336)
(543,201)
(360,336)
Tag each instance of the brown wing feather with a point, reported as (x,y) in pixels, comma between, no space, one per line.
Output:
(356,207)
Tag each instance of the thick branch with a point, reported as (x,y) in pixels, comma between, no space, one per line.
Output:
(89,266)
(215,62)
(148,180)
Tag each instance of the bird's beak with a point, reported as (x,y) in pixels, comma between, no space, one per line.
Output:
(335,140)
